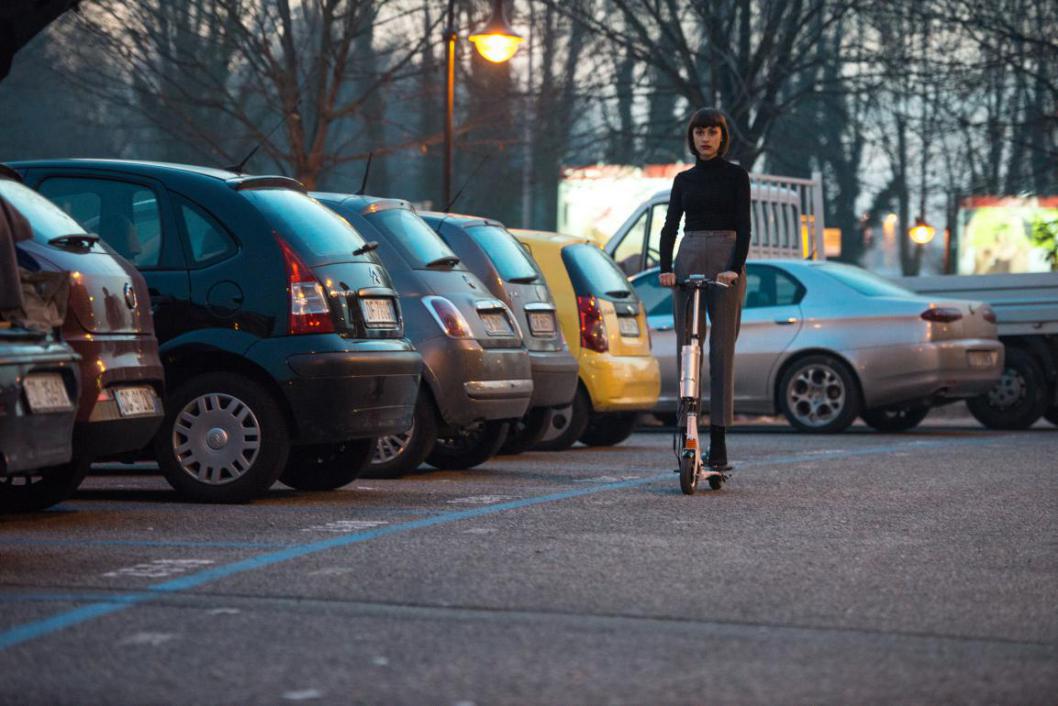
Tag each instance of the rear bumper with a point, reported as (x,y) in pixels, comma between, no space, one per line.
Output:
(471,383)
(554,378)
(621,383)
(339,390)
(926,372)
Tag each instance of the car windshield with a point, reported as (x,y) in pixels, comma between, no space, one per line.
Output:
(420,245)
(593,273)
(313,230)
(510,258)
(47,220)
(864,282)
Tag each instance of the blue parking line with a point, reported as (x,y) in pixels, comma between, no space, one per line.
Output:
(39,628)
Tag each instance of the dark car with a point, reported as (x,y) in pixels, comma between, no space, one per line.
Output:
(508,270)
(476,376)
(281,335)
(38,381)
(107,322)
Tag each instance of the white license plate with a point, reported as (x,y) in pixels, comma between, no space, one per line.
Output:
(497,324)
(982,359)
(542,323)
(628,325)
(135,401)
(46,392)
(380,312)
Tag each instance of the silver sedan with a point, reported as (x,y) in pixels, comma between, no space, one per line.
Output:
(824,342)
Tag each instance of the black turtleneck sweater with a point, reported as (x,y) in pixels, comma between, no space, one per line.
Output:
(714,194)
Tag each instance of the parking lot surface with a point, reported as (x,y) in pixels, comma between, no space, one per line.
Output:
(854,568)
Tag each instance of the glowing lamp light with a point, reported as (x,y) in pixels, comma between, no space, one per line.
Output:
(922,232)
(497,42)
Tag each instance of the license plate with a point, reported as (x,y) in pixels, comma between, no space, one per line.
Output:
(496,324)
(628,325)
(982,359)
(380,312)
(135,401)
(542,324)
(46,392)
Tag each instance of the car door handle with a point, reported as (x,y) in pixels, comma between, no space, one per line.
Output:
(786,322)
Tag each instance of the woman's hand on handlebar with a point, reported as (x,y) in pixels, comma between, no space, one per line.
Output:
(667,279)
(729,278)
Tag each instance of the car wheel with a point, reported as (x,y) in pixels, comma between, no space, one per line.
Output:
(470,446)
(527,431)
(326,466)
(224,439)
(892,419)
(818,393)
(41,490)
(609,428)
(1020,397)
(397,454)
(579,416)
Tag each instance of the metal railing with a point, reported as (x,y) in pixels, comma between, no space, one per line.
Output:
(787,216)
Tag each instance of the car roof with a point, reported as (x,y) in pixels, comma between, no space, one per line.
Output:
(552,238)
(155,169)
(460,219)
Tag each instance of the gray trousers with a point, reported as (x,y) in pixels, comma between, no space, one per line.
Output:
(708,252)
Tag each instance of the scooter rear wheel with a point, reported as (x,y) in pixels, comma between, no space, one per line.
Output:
(716,482)
(688,476)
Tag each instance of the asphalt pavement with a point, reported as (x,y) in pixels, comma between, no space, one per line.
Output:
(854,568)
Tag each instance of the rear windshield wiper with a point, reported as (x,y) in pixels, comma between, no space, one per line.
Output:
(75,240)
(528,279)
(444,261)
(618,293)
(365,248)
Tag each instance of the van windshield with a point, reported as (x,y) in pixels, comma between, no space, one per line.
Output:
(314,231)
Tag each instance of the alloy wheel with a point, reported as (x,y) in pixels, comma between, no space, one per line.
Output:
(216,438)
(389,447)
(816,395)
(1008,390)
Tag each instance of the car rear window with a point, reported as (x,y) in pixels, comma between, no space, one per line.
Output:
(313,230)
(864,282)
(593,273)
(510,258)
(417,241)
(47,220)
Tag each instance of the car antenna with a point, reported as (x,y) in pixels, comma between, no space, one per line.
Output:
(237,168)
(448,206)
(367,170)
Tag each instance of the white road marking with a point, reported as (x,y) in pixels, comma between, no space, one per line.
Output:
(303,695)
(604,479)
(480,530)
(225,611)
(333,571)
(160,568)
(344,526)
(480,500)
(154,639)
(380,661)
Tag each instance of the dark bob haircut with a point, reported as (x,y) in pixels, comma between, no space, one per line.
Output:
(709,117)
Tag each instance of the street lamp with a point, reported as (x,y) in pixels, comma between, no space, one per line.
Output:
(497,43)
(922,232)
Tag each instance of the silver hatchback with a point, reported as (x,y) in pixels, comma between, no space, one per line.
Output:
(824,342)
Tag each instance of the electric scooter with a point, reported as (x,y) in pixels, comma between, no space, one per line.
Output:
(689,453)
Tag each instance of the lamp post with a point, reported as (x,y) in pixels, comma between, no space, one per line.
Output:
(497,43)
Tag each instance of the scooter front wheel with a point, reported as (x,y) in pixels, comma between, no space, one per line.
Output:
(688,475)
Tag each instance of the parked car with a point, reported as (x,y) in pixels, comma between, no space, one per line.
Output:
(280,332)
(39,381)
(107,323)
(489,250)
(477,377)
(825,342)
(605,326)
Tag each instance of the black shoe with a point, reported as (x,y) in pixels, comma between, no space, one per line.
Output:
(717,459)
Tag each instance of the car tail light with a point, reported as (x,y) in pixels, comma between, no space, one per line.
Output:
(592,327)
(447,317)
(309,310)
(942,314)
(988,314)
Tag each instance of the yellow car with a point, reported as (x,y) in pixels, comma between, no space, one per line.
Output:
(606,329)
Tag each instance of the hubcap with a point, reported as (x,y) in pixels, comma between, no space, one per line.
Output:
(816,395)
(216,438)
(1010,388)
(390,447)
